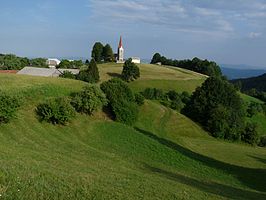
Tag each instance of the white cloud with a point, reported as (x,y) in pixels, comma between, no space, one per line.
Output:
(253,35)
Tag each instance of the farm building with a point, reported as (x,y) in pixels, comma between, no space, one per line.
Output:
(45,72)
(52,62)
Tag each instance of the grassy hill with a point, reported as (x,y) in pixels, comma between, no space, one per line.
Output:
(164,156)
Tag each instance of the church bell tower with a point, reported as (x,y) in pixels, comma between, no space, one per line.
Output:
(120,52)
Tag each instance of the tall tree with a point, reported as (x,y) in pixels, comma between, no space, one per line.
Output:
(97,52)
(130,71)
(156,58)
(108,54)
(90,75)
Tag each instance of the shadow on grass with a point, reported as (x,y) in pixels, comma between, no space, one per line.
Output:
(114,75)
(253,178)
(263,160)
(209,187)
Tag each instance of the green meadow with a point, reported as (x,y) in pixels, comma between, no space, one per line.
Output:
(164,155)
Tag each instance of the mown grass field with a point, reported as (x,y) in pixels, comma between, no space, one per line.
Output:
(164,156)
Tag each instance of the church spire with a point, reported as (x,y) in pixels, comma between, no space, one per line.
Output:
(120,42)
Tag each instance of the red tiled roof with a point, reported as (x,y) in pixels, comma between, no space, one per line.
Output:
(8,71)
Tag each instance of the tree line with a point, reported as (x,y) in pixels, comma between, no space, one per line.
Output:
(13,62)
(206,67)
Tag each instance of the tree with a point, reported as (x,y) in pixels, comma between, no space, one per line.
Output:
(64,64)
(130,71)
(250,135)
(97,52)
(90,99)
(108,54)
(90,75)
(218,107)
(156,58)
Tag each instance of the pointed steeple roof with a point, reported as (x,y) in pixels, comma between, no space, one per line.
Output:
(120,42)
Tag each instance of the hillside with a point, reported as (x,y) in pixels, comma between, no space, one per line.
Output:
(164,156)
(258,83)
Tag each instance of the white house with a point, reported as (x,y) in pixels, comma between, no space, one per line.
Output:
(52,62)
(135,60)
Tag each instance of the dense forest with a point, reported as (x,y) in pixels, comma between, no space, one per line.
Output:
(254,86)
(206,67)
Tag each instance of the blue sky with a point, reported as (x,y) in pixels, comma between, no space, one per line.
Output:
(227,31)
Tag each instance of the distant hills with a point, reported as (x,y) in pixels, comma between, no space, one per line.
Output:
(259,83)
(241,71)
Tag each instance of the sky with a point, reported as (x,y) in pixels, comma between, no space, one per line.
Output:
(226,31)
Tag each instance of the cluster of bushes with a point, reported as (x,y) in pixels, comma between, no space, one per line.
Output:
(67,64)
(61,110)
(90,75)
(102,53)
(217,106)
(122,101)
(8,107)
(209,68)
(13,62)
(170,99)
(115,93)
(257,94)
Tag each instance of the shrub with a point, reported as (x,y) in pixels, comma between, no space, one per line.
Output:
(67,74)
(130,71)
(56,111)
(116,90)
(250,134)
(125,112)
(90,99)
(8,107)
(139,98)
(121,100)
(262,142)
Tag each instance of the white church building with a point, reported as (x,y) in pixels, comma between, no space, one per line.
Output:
(120,54)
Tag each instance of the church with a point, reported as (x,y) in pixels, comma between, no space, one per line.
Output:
(120,54)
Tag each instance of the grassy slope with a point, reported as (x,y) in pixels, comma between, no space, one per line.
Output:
(166,156)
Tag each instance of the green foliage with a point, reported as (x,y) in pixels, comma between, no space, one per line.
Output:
(8,107)
(90,75)
(253,109)
(209,68)
(125,112)
(262,141)
(90,99)
(39,62)
(130,71)
(108,54)
(56,111)
(156,58)
(13,62)
(250,135)
(218,107)
(97,52)
(139,98)
(67,74)
(121,100)
(66,64)
(116,90)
